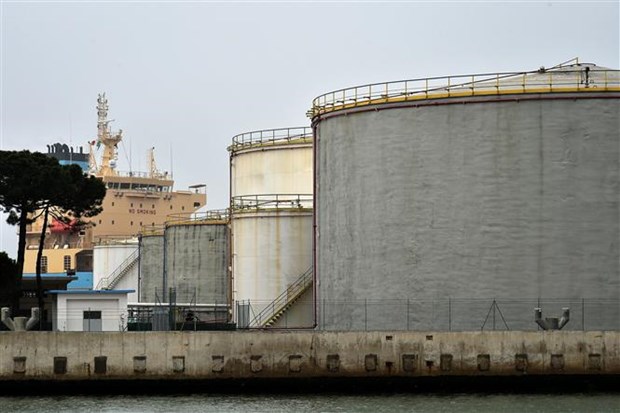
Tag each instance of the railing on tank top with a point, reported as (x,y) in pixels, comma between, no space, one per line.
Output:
(189,218)
(271,202)
(582,79)
(271,136)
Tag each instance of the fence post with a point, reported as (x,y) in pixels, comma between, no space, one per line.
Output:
(407,314)
(449,314)
(583,314)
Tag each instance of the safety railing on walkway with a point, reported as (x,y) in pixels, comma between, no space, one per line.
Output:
(271,136)
(575,78)
(190,218)
(270,202)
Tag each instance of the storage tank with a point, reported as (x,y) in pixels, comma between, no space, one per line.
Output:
(153,289)
(272,161)
(272,258)
(271,220)
(116,265)
(197,257)
(464,202)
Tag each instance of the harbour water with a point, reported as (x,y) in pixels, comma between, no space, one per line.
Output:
(298,403)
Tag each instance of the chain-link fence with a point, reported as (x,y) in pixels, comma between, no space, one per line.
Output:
(466,314)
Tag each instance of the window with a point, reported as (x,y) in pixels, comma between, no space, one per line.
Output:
(183,208)
(140,205)
(66,262)
(131,223)
(112,222)
(170,206)
(100,221)
(153,206)
(112,203)
(92,320)
(196,204)
(43,264)
(132,204)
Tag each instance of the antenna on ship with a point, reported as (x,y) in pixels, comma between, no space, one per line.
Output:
(106,137)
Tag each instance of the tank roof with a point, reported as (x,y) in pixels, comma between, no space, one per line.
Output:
(271,137)
(571,77)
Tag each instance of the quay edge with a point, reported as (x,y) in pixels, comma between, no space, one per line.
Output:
(258,356)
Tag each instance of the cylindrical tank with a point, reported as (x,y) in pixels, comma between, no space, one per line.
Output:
(115,266)
(274,161)
(272,251)
(153,288)
(452,203)
(271,220)
(197,257)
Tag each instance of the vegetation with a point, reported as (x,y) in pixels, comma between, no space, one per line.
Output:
(8,279)
(34,185)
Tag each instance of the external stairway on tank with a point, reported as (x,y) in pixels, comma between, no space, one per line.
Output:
(270,315)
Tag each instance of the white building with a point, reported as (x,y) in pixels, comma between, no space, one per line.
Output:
(96,310)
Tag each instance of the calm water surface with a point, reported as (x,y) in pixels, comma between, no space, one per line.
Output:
(318,403)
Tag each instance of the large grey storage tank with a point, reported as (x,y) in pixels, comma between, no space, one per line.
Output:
(464,202)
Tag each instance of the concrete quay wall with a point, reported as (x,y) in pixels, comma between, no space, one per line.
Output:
(303,354)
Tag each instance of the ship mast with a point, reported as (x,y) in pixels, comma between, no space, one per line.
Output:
(107,138)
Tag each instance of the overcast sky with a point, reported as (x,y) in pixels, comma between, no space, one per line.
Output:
(191,75)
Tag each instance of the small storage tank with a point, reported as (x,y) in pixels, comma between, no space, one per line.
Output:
(273,161)
(116,265)
(197,257)
(459,202)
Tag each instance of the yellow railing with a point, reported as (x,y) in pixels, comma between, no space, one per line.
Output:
(198,218)
(271,137)
(146,231)
(586,78)
(251,203)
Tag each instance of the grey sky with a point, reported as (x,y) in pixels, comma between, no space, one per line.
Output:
(192,75)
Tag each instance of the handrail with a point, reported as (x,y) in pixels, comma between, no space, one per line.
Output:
(270,136)
(215,215)
(110,281)
(146,230)
(281,301)
(586,78)
(272,201)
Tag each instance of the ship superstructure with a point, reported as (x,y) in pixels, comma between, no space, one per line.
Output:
(133,200)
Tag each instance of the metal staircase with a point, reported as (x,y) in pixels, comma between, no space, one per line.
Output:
(109,282)
(269,315)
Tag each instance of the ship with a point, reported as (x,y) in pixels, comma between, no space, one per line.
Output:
(134,202)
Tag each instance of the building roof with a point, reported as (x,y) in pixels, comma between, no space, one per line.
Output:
(91,292)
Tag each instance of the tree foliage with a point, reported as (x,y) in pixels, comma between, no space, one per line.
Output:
(33,184)
(8,275)
(25,180)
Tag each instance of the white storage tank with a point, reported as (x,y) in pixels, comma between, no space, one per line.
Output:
(116,264)
(273,161)
(446,203)
(271,227)
(272,256)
